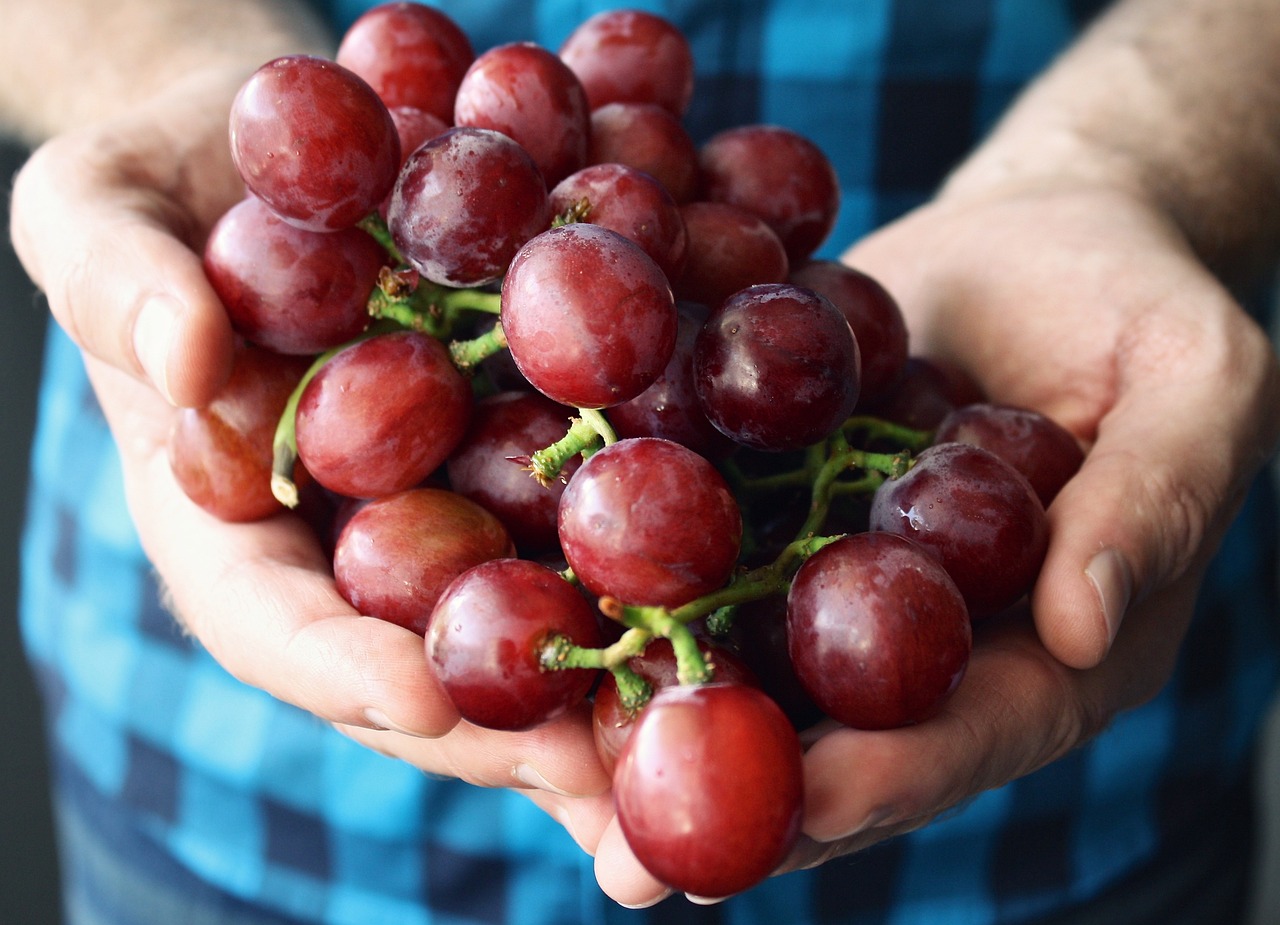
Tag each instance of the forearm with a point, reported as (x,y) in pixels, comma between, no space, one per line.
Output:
(65,63)
(1179,100)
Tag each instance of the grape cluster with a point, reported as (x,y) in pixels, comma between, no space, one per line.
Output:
(568,395)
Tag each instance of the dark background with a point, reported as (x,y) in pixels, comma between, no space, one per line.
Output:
(28,865)
(28,868)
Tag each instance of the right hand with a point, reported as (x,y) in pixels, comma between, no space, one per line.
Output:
(109,222)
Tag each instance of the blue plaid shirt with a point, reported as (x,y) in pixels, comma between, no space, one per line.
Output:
(270,805)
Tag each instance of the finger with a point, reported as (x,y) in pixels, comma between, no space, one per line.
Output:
(108,250)
(584,818)
(261,598)
(558,757)
(1017,709)
(621,875)
(1193,420)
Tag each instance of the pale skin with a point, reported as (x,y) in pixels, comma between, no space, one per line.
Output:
(1118,195)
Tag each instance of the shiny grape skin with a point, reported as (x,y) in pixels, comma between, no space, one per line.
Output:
(729,249)
(529,94)
(589,317)
(221,454)
(631,203)
(465,202)
(776,367)
(486,637)
(669,408)
(631,56)
(1034,444)
(611,722)
(287,289)
(410,54)
(649,138)
(877,631)
(314,142)
(397,554)
(484,466)
(872,313)
(977,514)
(382,415)
(648,521)
(709,788)
(779,175)
(926,392)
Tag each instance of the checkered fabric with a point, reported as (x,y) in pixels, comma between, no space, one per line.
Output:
(181,771)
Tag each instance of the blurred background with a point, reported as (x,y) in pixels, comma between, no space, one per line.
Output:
(28,864)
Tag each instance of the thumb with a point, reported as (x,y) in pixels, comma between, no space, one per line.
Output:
(1192,421)
(104,247)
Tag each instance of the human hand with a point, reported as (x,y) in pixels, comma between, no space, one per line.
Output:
(1088,306)
(110,222)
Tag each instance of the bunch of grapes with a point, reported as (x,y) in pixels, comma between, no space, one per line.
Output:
(569,396)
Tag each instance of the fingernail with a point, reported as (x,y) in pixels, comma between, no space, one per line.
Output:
(379,720)
(877,817)
(703,900)
(529,776)
(645,905)
(1111,579)
(153,332)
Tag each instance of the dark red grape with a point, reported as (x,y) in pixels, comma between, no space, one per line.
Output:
(1037,446)
(729,249)
(872,313)
(527,93)
(465,203)
(779,175)
(976,514)
(314,142)
(649,138)
(410,54)
(776,367)
(588,315)
(631,56)
(877,631)
(221,454)
(397,554)
(669,408)
(505,427)
(648,521)
(415,127)
(612,722)
(486,637)
(709,788)
(382,415)
(926,392)
(631,203)
(288,289)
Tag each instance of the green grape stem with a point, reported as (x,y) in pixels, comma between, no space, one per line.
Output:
(468,354)
(587,432)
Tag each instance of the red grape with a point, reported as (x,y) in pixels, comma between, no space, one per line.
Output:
(977,514)
(313,141)
(397,554)
(612,722)
(588,315)
(465,203)
(648,521)
(776,367)
(486,637)
(631,203)
(649,138)
(729,249)
(779,175)
(482,468)
(1037,446)
(410,54)
(709,788)
(382,415)
(527,93)
(221,454)
(872,313)
(288,289)
(631,56)
(877,631)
